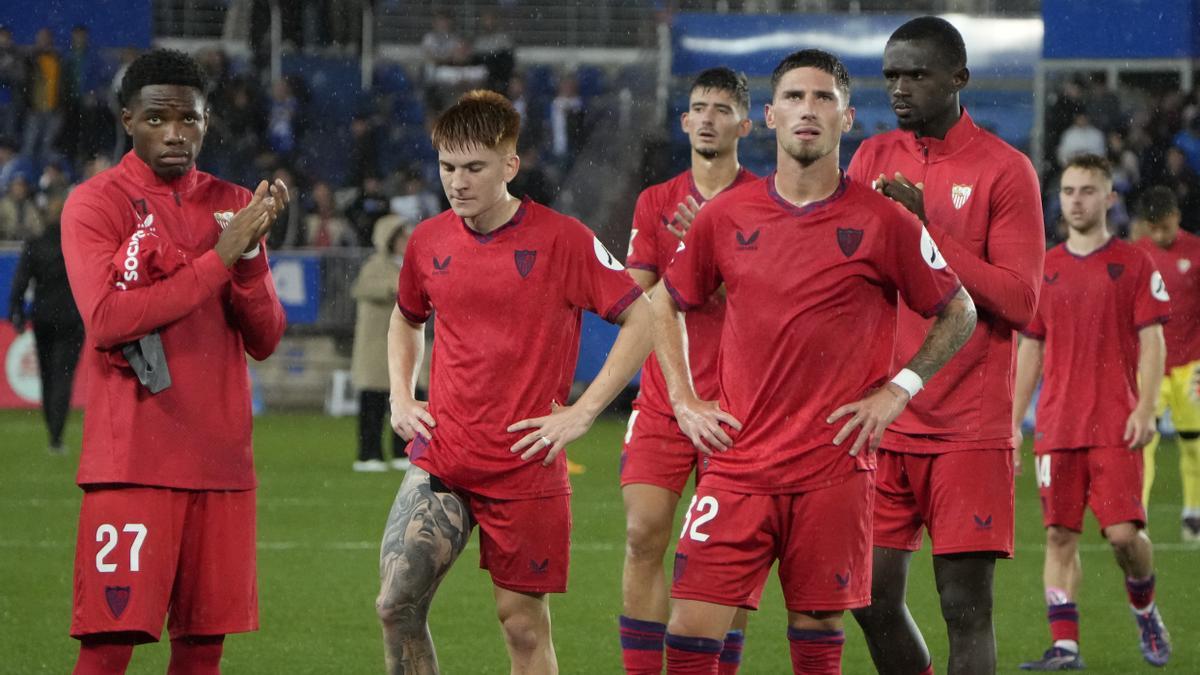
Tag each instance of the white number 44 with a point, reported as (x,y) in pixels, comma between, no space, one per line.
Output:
(706,509)
(108,534)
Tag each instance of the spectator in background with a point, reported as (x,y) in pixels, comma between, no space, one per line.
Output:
(55,182)
(1188,140)
(1103,106)
(533,181)
(325,227)
(1082,138)
(368,207)
(283,125)
(289,230)
(374,291)
(441,46)
(566,121)
(415,201)
(1126,173)
(494,49)
(1068,102)
(364,152)
(12,81)
(57,328)
(11,163)
(44,117)
(20,218)
(81,78)
(1183,181)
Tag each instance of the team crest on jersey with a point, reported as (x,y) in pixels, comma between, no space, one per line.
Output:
(223,218)
(117,598)
(605,257)
(524,260)
(1158,289)
(1115,270)
(1184,265)
(848,240)
(959,194)
(929,251)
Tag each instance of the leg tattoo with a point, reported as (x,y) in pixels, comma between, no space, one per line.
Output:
(427,528)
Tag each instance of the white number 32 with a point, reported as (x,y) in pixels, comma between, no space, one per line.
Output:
(706,509)
(108,534)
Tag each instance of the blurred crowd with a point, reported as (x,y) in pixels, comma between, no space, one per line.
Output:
(1148,129)
(60,124)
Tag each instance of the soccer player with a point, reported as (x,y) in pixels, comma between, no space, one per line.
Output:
(168,515)
(505,280)
(812,263)
(1177,256)
(658,458)
(946,463)
(1098,339)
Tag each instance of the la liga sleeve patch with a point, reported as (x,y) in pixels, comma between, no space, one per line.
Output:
(605,257)
(929,251)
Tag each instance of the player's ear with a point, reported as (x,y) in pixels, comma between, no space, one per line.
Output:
(848,119)
(1111,198)
(768,116)
(960,78)
(512,163)
(683,121)
(745,126)
(127,121)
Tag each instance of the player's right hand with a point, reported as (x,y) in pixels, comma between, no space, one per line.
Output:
(685,215)
(411,417)
(701,422)
(247,226)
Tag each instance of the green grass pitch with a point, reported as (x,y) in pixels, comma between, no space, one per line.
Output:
(319,527)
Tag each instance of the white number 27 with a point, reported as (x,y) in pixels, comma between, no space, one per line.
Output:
(108,534)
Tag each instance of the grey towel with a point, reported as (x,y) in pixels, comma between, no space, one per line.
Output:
(149,362)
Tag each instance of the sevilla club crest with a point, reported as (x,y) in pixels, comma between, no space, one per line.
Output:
(117,598)
(959,194)
(848,240)
(524,260)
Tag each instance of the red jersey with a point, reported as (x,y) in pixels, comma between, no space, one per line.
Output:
(984,210)
(507,312)
(810,318)
(1180,268)
(1091,310)
(651,248)
(195,434)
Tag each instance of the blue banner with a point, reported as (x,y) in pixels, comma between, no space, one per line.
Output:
(8,267)
(1130,29)
(298,283)
(755,44)
(110,23)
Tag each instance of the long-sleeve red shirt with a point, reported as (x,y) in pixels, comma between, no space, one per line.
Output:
(984,211)
(195,434)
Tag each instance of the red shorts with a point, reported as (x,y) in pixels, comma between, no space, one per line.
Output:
(1109,480)
(525,544)
(656,452)
(142,550)
(822,540)
(964,498)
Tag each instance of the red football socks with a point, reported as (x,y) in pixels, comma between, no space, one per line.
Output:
(816,652)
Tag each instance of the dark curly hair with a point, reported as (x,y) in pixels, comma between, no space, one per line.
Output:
(161,66)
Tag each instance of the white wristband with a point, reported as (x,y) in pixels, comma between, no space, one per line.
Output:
(908,381)
(252,254)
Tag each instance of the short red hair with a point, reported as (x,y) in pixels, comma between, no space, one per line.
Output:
(480,118)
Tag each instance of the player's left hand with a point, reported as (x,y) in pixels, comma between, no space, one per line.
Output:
(873,413)
(685,215)
(901,190)
(1139,428)
(553,432)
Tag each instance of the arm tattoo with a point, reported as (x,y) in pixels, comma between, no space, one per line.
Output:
(946,336)
(426,530)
